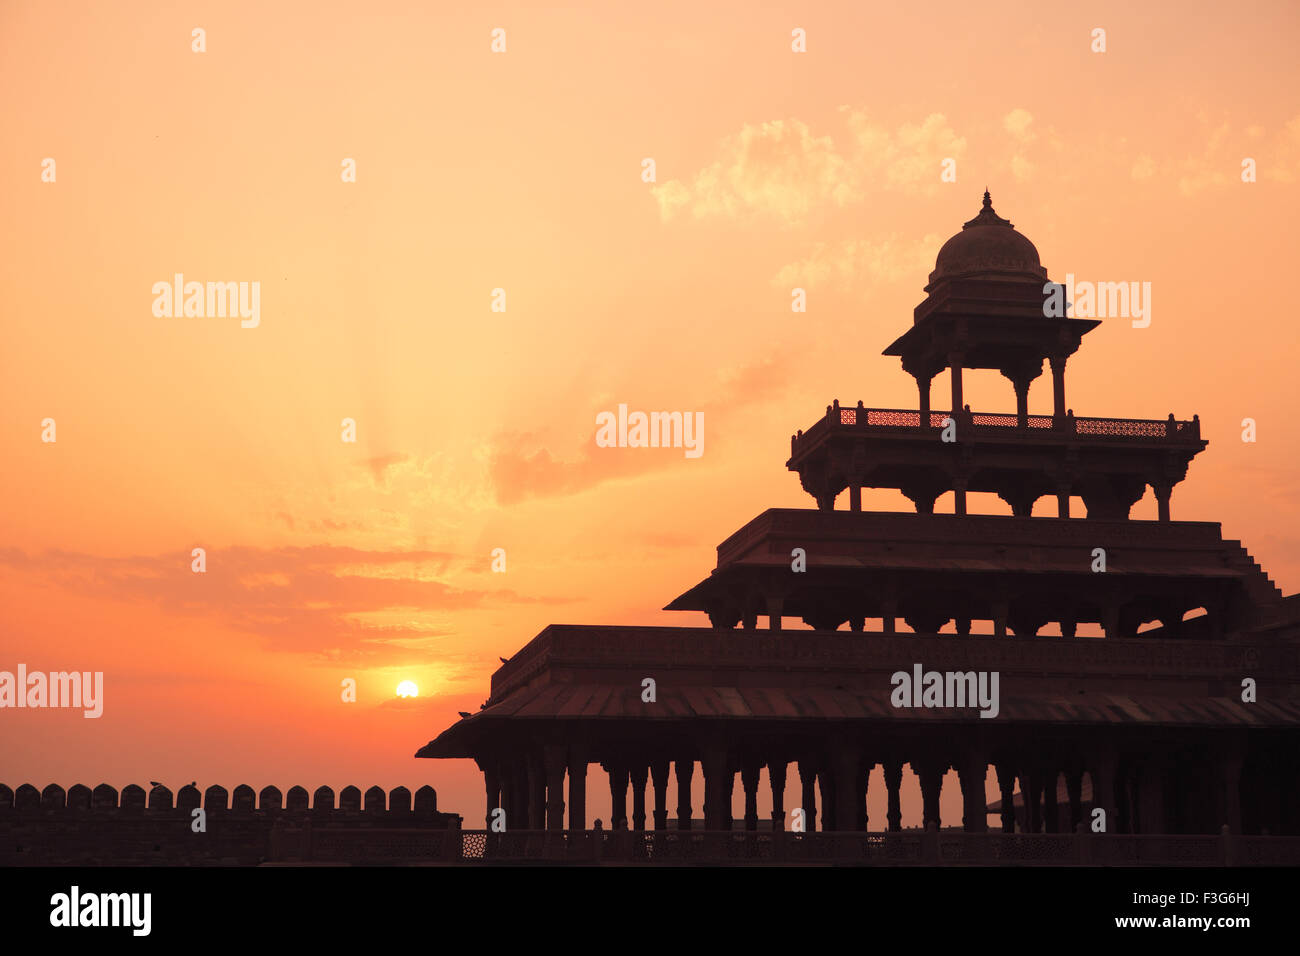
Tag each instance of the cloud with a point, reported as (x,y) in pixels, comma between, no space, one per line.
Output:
(521,467)
(853,265)
(780,169)
(332,603)
(380,464)
(1017,123)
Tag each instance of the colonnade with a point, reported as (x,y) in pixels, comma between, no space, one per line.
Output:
(1134,793)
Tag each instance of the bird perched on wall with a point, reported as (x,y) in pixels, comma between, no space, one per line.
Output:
(503,660)
(154,783)
(463,713)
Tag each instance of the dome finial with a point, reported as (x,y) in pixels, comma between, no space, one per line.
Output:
(988,201)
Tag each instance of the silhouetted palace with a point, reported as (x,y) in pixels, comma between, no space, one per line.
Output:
(1189,726)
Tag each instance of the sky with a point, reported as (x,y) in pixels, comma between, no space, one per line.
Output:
(524,171)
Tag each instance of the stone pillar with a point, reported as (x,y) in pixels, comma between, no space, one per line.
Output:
(1031,792)
(1162,490)
(1151,798)
(491,784)
(1103,769)
(955,360)
(776,769)
(855,495)
(1022,402)
(959,494)
(1228,767)
(1074,790)
(749,780)
(536,793)
(1110,619)
(638,774)
(847,801)
(1058,386)
(553,757)
(808,795)
(1062,500)
(716,790)
(863,783)
(893,782)
(1006,788)
(685,770)
(1000,612)
(923,389)
(577,789)
(774,607)
(659,774)
(931,774)
(1051,811)
(826,787)
(972,772)
(618,780)
(889,612)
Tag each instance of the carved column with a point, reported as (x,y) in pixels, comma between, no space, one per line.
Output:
(776,768)
(1074,790)
(749,780)
(1051,811)
(1058,386)
(618,781)
(826,787)
(955,360)
(492,783)
(971,773)
(1031,792)
(659,773)
(1103,770)
(808,794)
(1006,788)
(1162,490)
(930,772)
(685,771)
(1151,797)
(1228,766)
(553,757)
(774,608)
(639,772)
(717,789)
(959,494)
(893,783)
(846,782)
(577,788)
(536,793)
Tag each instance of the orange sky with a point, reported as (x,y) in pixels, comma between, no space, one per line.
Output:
(522,171)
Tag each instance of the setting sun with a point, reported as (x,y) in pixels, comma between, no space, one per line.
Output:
(407,688)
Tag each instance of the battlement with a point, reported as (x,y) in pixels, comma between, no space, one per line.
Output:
(84,826)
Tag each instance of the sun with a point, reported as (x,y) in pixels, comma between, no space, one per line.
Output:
(407,688)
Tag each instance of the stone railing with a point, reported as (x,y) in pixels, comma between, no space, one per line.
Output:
(1002,425)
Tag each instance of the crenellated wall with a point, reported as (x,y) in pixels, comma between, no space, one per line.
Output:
(81,826)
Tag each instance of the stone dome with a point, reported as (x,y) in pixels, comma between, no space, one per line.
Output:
(988,245)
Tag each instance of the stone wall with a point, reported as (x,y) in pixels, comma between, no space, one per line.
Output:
(100,827)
